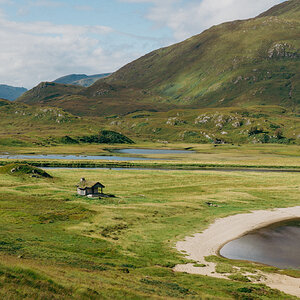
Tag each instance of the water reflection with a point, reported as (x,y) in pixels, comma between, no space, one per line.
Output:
(276,245)
(152,151)
(72,157)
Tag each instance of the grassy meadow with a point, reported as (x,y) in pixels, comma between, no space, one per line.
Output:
(57,245)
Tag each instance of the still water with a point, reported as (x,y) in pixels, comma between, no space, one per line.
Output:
(276,245)
(72,157)
(98,157)
(152,151)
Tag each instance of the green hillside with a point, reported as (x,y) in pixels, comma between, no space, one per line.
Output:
(72,98)
(250,62)
(23,124)
(46,92)
(264,124)
(240,63)
(288,8)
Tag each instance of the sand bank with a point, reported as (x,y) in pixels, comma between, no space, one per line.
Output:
(207,243)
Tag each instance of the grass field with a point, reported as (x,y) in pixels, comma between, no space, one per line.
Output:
(54,244)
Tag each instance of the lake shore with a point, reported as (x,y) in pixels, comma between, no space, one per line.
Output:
(222,231)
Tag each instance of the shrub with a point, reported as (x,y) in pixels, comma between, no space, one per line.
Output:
(255,130)
(68,140)
(239,277)
(107,137)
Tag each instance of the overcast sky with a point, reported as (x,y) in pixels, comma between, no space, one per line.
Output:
(41,40)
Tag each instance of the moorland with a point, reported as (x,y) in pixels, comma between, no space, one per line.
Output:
(230,96)
(57,245)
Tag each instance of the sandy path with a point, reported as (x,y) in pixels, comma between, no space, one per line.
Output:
(209,242)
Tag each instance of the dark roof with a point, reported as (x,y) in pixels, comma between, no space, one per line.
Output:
(89,184)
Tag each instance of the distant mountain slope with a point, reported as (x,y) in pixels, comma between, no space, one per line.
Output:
(80,79)
(240,63)
(45,92)
(11,92)
(71,99)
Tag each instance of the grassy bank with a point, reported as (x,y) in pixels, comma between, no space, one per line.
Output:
(149,165)
(123,248)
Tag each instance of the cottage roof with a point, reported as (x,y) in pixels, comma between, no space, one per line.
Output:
(89,184)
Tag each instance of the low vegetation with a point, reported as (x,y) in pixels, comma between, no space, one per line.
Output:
(55,244)
(25,125)
(106,137)
(232,97)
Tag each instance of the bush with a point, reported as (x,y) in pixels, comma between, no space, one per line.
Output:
(239,277)
(255,130)
(107,137)
(68,140)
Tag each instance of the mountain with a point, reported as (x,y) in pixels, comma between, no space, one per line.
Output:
(11,92)
(254,62)
(80,79)
(235,64)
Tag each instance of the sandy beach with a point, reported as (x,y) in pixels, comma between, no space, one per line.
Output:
(209,242)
